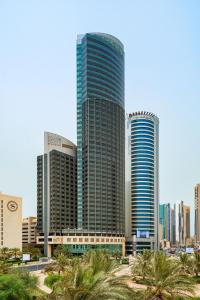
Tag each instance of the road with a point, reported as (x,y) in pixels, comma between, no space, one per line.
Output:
(33,267)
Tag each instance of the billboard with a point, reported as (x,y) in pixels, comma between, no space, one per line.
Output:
(26,257)
(142,234)
(189,250)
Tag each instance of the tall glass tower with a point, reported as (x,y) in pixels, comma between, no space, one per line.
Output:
(142,193)
(100,134)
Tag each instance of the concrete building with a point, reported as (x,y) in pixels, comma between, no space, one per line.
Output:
(197,212)
(78,242)
(142,181)
(56,188)
(11,221)
(29,230)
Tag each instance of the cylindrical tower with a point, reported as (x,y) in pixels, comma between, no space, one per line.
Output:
(100,133)
(143,173)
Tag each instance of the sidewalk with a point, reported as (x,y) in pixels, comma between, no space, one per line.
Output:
(41,285)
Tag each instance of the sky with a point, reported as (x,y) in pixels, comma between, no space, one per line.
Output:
(38,82)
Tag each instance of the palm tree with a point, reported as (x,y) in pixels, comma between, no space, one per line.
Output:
(60,264)
(165,280)
(186,264)
(34,251)
(15,252)
(5,253)
(100,261)
(196,263)
(141,264)
(83,283)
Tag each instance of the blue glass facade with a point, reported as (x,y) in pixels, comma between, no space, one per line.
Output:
(100,133)
(143,160)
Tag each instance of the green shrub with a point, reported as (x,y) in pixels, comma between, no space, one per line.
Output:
(12,287)
(196,279)
(51,279)
(183,298)
(125,261)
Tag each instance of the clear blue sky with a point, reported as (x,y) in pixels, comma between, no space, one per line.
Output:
(38,82)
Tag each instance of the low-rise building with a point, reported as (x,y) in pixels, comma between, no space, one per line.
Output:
(10,221)
(78,242)
(29,226)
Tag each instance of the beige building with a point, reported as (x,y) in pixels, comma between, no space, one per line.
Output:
(29,225)
(197,212)
(78,243)
(184,223)
(11,221)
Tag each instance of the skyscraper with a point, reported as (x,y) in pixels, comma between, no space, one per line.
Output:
(167,218)
(100,134)
(142,167)
(173,226)
(56,188)
(197,213)
(184,223)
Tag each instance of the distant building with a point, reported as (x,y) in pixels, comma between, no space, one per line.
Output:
(29,230)
(160,232)
(142,181)
(197,212)
(173,226)
(167,218)
(184,223)
(11,221)
(165,244)
(56,188)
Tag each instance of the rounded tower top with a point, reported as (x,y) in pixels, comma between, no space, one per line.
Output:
(141,114)
(105,36)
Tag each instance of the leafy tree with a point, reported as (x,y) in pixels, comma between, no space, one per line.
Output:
(36,252)
(62,250)
(5,253)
